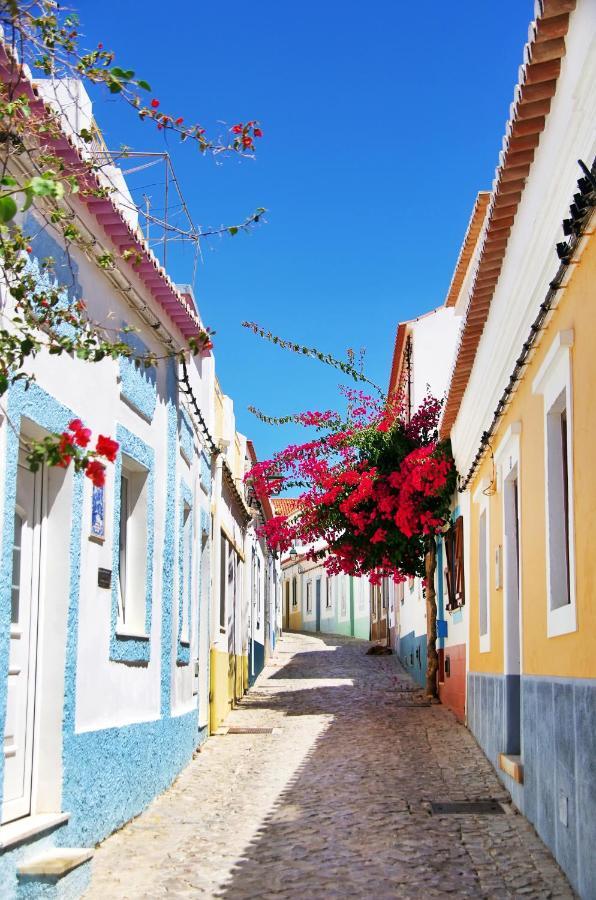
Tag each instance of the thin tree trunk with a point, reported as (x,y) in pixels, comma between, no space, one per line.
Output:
(432,658)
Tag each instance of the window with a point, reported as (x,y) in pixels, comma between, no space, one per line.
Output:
(309,596)
(287,593)
(186,572)
(558,502)
(258,573)
(343,600)
(132,548)
(328,593)
(553,382)
(294,591)
(16,567)
(400,592)
(454,569)
(483,582)
(222,582)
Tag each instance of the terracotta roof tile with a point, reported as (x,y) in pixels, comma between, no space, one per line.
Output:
(285,506)
(468,246)
(537,84)
(107,213)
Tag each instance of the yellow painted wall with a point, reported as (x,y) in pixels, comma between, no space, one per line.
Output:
(295,618)
(228,682)
(570,655)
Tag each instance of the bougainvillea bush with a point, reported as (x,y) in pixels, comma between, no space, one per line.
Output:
(374,485)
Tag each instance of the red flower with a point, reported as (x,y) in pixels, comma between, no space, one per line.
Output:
(96,472)
(179,120)
(247,141)
(29,248)
(257,132)
(100,46)
(81,435)
(236,129)
(154,103)
(107,447)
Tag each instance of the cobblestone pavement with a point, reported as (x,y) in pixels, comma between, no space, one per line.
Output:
(334,803)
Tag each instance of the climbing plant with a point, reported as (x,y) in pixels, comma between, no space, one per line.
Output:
(375,487)
(38,315)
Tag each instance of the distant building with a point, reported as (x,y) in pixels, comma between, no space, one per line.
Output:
(316,601)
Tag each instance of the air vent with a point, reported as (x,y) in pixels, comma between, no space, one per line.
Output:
(468,808)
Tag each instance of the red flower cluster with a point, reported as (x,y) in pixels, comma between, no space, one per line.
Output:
(76,439)
(245,135)
(372,491)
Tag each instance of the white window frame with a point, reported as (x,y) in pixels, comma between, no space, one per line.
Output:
(309,596)
(482,501)
(507,459)
(132,608)
(186,572)
(553,380)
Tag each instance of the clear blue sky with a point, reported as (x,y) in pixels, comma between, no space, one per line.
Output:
(381,122)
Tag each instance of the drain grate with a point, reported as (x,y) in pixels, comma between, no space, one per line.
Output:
(238,729)
(468,808)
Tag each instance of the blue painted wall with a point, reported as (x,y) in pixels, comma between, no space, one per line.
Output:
(558,749)
(109,775)
(412,653)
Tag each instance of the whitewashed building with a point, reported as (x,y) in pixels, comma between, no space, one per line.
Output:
(107,613)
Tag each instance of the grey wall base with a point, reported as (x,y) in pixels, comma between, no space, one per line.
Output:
(558,750)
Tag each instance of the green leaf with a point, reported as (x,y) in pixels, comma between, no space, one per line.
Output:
(8,209)
(233,230)
(144,85)
(28,199)
(8,181)
(46,186)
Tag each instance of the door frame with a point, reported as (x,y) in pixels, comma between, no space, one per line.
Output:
(22,807)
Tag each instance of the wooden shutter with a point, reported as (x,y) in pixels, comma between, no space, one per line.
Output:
(460,594)
(450,568)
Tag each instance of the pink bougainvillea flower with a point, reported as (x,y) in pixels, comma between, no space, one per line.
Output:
(179,120)
(257,132)
(154,103)
(80,435)
(236,129)
(107,447)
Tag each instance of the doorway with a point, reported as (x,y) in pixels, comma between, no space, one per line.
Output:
(512,613)
(20,704)
(318,604)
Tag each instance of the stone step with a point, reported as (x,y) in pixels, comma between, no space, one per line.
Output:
(55,863)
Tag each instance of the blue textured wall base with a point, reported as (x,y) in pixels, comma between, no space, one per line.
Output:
(412,654)
(131,765)
(558,749)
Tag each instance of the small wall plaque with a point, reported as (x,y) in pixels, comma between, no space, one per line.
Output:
(104,578)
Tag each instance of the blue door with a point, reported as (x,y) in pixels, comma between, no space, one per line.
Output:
(318,604)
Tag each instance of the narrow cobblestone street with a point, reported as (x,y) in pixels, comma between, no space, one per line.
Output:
(334,803)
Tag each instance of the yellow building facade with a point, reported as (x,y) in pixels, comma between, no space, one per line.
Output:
(520,412)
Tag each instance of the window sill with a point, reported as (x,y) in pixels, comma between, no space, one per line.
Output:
(131,633)
(561,620)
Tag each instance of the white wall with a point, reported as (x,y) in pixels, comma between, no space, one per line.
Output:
(531,262)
